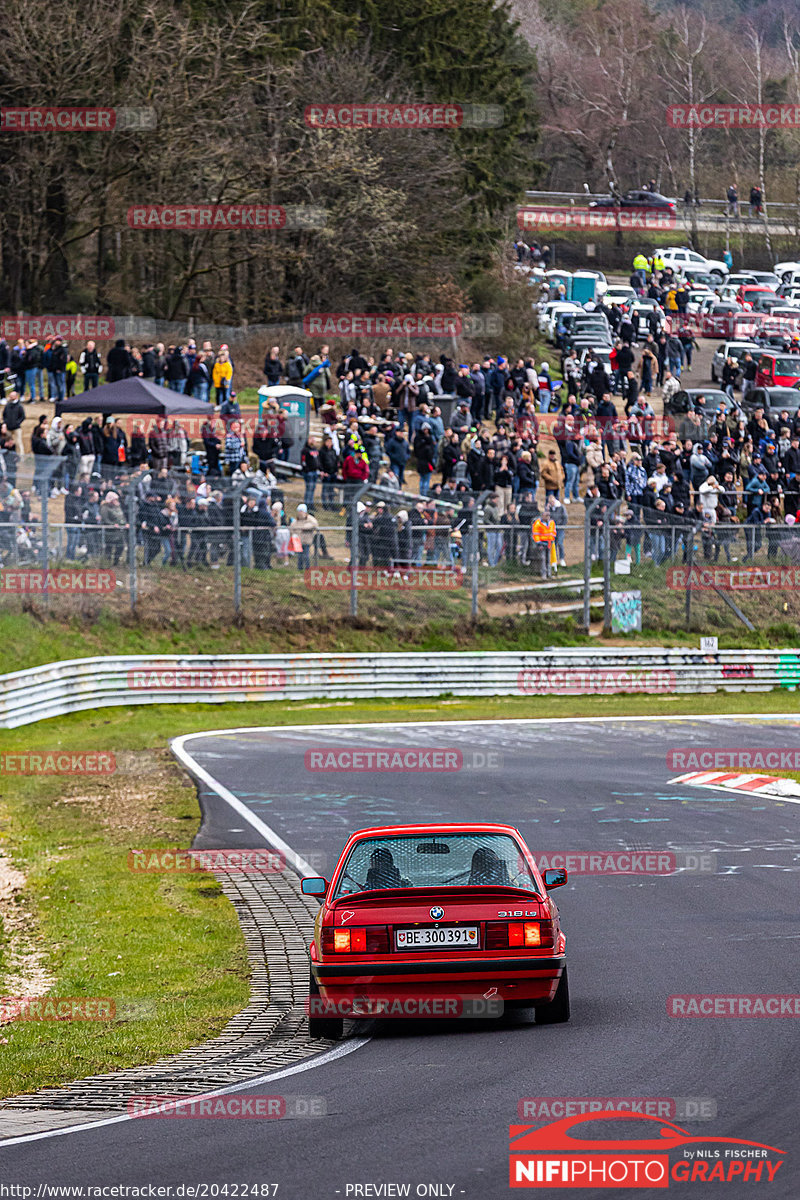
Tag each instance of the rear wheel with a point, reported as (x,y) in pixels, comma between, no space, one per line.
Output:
(557,1010)
(322,1027)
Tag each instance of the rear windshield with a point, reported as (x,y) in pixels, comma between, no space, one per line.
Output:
(434,860)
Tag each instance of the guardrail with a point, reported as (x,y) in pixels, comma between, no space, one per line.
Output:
(76,685)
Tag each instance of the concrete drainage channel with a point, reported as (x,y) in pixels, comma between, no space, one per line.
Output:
(268,1035)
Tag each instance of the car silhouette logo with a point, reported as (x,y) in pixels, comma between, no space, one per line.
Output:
(437,912)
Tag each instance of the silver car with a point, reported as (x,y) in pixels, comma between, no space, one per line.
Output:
(736,350)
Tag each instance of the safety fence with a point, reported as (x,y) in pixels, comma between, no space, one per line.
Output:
(77,685)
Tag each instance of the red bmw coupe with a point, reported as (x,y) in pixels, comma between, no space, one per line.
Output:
(422,920)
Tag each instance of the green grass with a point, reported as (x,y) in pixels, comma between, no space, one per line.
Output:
(167,949)
(384,625)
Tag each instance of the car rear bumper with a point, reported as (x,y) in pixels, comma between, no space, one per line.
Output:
(512,980)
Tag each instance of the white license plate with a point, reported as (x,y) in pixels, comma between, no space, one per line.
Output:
(433,939)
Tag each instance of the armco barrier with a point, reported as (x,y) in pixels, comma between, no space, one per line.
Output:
(87,683)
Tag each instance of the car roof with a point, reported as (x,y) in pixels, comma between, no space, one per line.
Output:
(413,830)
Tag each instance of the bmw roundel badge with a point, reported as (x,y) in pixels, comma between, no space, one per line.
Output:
(437,912)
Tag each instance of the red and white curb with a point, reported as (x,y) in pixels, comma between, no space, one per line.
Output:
(735,781)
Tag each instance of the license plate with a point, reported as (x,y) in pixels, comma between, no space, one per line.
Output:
(433,939)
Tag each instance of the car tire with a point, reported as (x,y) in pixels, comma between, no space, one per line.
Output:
(557,1011)
(330,1028)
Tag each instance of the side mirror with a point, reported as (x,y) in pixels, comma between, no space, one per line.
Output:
(314,886)
(553,878)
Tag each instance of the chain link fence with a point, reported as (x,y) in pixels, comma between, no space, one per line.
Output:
(240,551)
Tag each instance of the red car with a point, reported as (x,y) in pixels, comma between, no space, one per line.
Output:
(748,292)
(447,913)
(778,369)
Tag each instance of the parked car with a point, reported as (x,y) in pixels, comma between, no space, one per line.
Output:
(748,293)
(740,277)
(678,257)
(766,301)
(736,350)
(687,398)
(619,294)
(766,278)
(773,400)
(599,354)
(785,270)
(778,370)
(644,308)
(548,316)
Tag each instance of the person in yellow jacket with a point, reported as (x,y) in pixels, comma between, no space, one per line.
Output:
(640,267)
(543,533)
(672,302)
(222,374)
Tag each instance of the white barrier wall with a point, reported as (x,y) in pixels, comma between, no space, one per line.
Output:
(79,684)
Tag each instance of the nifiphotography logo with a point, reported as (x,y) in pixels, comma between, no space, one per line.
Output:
(573,1153)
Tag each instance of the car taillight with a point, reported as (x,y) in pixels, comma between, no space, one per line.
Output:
(532,935)
(372,939)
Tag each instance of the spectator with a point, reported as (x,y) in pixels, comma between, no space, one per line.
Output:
(305,526)
(552,475)
(90,364)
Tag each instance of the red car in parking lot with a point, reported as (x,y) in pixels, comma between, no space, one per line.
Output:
(778,369)
(447,912)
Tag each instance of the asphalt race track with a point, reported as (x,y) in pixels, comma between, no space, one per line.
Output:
(430,1103)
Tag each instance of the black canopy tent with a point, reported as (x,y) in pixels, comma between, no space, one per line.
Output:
(139,396)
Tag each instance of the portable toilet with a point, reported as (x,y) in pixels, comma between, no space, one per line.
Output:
(554,278)
(584,287)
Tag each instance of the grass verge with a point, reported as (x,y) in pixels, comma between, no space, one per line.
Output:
(167,949)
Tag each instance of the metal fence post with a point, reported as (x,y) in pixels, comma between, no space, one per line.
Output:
(587,560)
(132,511)
(354,537)
(475,540)
(689,565)
(612,508)
(237,550)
